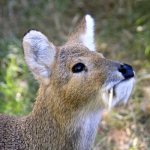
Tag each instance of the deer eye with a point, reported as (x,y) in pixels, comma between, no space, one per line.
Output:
(79,67)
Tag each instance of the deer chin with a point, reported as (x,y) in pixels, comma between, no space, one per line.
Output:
(117,93)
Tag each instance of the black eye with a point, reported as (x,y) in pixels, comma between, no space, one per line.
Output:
(79,67)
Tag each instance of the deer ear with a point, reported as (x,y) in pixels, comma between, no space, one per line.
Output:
(84,33)
(39,54)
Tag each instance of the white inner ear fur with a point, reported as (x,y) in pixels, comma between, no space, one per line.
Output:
(39,53)
(87,38)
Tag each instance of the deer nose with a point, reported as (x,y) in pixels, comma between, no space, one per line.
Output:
(126,70)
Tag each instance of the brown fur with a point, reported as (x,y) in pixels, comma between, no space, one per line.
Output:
(65,105)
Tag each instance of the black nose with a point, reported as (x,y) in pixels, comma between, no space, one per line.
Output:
(126,71)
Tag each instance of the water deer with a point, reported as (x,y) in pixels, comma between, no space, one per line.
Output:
(76,84)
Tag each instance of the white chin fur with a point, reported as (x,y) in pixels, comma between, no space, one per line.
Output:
(118,94)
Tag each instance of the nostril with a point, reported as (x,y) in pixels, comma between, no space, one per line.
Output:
(122,69)
(126,71)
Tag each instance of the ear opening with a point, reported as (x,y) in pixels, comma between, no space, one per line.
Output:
(84,33)
(39,54)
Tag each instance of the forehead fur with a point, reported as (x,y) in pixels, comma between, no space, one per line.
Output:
(74,50)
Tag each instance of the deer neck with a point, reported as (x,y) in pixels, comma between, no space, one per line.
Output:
(77,128)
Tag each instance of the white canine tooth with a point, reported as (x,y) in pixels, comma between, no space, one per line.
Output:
(110,99)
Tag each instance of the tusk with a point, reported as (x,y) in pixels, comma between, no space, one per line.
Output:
(110,99)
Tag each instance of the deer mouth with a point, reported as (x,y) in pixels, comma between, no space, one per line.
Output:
(117,92)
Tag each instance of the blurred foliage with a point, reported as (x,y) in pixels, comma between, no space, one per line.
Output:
(15,97)
(122,33)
